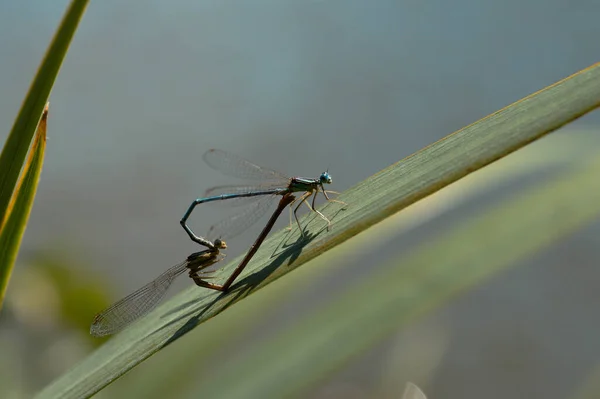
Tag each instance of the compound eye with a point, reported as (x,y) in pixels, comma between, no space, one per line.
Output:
(325,178)
(220,244)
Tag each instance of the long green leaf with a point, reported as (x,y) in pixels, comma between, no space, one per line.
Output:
(20,206)
(413,285)
(18,141)
(370,201)
(166,373)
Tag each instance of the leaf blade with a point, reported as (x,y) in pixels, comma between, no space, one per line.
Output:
(20,206)
(412,285)
(18,141)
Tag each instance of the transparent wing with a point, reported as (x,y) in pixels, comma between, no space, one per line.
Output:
(235,166)
(135,305)
(239,222)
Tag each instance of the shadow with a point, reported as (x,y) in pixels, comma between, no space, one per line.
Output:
(239,290)
(284,245)
(285,251)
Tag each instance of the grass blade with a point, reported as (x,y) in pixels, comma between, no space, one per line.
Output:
(413,285)
(18,141)
(166,373)
(20,206)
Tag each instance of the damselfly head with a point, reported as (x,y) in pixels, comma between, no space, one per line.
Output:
(220,244)
(325,178)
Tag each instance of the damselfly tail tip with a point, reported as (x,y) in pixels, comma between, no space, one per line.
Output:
(97,330)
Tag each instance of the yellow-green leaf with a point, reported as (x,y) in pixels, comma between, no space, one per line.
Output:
(20,206)
(18,141)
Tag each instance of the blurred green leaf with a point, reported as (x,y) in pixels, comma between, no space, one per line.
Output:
(18,141)
(80,291)
(370,201)
(19,208)
(589,387)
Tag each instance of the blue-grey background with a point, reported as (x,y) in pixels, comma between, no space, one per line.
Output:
(299,86)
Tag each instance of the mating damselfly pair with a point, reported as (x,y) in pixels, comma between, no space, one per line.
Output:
(198,265)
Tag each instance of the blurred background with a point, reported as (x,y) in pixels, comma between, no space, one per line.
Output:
(298,86)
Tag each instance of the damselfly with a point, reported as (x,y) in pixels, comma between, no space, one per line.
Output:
(274,183)
(142,301)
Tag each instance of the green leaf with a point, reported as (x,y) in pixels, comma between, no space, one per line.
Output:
(226,339)
(589,387)
(414,284)
(20,206)
(18,141)
(166,373)
(371,201)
